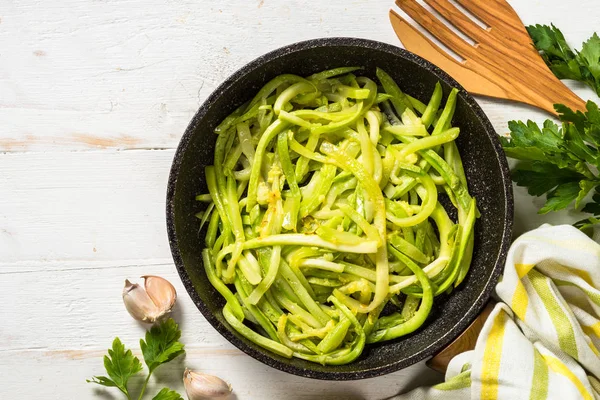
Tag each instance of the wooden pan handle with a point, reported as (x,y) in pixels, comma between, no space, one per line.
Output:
(466,341)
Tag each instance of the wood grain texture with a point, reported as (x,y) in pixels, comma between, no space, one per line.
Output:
(500,63)
(84,206)
(70,210)
(82,80)
(62,376)
(59,333)
(89,74)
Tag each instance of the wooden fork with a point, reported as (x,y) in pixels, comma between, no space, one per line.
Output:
(503,62)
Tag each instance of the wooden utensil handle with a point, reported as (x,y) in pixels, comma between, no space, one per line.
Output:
(466,341)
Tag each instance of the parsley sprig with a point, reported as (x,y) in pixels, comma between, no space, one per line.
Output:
(565,63)
(559,161)
(160,346)
(562,161)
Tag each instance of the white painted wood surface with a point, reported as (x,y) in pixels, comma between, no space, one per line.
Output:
(94,96)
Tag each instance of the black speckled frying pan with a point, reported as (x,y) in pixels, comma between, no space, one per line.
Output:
(485,167)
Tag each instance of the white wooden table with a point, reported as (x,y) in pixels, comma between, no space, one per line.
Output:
(94,96)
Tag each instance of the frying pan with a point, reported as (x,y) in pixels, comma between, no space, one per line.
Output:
(485,166)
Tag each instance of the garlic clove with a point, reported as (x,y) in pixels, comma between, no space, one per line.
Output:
(202,386)
(161,292)
(138,303)
(151,302)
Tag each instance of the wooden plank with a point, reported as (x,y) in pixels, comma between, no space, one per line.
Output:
(89,75)
(55,333)
(93,208)
(29,373)
(83,309)
(85,206)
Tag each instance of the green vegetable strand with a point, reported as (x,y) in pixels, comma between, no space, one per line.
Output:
(327,198)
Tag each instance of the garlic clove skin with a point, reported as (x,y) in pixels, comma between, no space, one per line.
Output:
(161,292)
(137,302)
(202,386)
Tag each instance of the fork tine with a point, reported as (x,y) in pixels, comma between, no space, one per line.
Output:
(415,41)
(489,12)
(411,38)
(490,37)
(474,8)
(457,18)
(424,18)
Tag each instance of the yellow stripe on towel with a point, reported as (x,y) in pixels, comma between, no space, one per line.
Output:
(557,366)
(491,358)
(582,274)
(520,301)
(592,329)
(594,349)
(523,269)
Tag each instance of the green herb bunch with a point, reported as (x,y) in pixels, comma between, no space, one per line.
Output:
(562,161)
(160,346)
(565,63)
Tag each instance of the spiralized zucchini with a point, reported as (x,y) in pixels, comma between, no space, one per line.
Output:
(325,230)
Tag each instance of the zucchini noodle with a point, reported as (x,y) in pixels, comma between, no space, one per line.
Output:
(325,228)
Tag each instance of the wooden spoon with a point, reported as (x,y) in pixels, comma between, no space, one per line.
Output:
(502,63)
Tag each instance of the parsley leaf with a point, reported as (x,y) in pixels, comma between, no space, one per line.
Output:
(590,57)
(161,344)
(540,178)
(565,63)
(167,394)
(120,364)
(561,162)
(555,51)
(561,197)
(584,189)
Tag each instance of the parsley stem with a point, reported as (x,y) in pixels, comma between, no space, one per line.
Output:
(585,170)
(126,392)
(144,386)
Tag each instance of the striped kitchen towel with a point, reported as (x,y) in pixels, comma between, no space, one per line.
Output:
(543,340)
